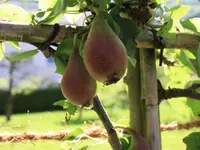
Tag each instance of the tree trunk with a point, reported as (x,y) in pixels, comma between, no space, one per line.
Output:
(134,94)
(9,104)
(149,97)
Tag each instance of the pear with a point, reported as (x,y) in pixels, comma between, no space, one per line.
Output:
(77,85)
(104,54)
(138,143)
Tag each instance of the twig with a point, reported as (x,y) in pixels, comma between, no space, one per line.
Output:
(189,92)
(112,135)
(165,60)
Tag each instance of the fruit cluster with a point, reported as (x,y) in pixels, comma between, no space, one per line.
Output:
(104,60)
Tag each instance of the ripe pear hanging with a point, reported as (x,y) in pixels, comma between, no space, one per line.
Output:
(104,53)
(139,143)
(77,85)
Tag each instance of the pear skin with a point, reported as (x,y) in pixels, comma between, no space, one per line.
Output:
(139,142)
(104,54)
(77,85)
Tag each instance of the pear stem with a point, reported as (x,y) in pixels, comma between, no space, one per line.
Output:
(91,6)
(112,134)
(75,42)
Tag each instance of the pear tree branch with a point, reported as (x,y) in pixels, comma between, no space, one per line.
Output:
(190,92)
(112,135)
(10,31)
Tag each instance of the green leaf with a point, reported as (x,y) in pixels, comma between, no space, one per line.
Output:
(126,141)
(15,13)
(61,63)
(192,24)
(45,4)
(54,16)
(186,61)
(161,1)
(178,1)
(118,2)
(62,55)
(73,134)
(194,105)
(71,3)
(66,105)
(128,32)
(198,55)
(171,29)
(131,47)
(179,11)
(85,147)
(41,14)
(102,4)
(192,141)
(166,28)
(22,55)
(2,49)
(14,44)
(112,23)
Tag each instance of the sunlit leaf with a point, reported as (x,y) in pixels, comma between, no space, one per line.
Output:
(74,134)
(2,49)
(178,1)
(45,4)
(179,11)
(192,24)
(102,4)
(72,14)
(161,1)
(171,29)
(186,61)
(23,55)
(66,105)
(4,83)
(14,44)
(59,7)
(15,13)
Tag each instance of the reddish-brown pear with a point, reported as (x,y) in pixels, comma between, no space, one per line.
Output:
(104,53)
(139,143)
(77,85)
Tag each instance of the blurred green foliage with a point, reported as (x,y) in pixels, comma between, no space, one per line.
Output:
(39,100)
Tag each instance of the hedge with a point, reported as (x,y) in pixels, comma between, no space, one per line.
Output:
(40,100)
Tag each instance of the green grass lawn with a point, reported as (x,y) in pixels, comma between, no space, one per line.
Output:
(54,121)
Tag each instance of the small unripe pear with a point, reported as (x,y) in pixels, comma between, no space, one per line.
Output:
(77,85)
(104,54)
